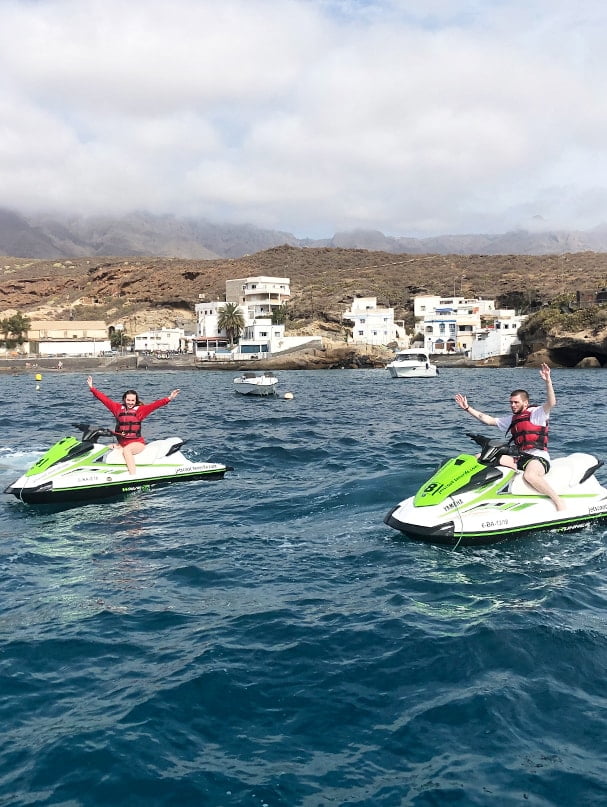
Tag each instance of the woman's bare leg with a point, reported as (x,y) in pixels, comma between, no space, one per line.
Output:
(128,453)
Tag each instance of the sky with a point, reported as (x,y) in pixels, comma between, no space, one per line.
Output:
(411,117)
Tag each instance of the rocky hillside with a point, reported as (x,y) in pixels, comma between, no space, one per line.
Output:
(156,292)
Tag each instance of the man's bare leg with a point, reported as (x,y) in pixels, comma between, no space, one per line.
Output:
(535,476)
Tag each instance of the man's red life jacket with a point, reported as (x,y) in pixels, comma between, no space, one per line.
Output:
(528,435)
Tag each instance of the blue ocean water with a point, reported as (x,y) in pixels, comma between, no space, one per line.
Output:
(266,640)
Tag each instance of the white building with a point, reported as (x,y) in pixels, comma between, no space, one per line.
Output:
(463,325)
(256,298)
(450,324)
(207,316)
(210,342)
(424,304)
(68,338)
(162,340)
(259,296)
(260,338)
(500,337)
(373,325)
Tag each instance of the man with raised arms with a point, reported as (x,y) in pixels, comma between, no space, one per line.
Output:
(529,427)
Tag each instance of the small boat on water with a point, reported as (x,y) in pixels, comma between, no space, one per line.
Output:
(412,364)
(256,384)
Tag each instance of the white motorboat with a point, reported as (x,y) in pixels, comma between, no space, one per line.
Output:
(256,384)
(412,364)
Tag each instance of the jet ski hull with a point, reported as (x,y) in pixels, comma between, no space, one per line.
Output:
(110,488)
(452,533)
(475,501)
(73,471)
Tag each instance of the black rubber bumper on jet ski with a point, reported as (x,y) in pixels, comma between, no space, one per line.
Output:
(47,494)
(439,534)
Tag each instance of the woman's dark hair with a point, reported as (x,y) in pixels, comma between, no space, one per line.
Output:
(132,392)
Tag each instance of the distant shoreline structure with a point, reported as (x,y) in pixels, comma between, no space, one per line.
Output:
(331,360)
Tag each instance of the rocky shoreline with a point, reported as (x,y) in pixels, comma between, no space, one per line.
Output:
(331,355)
(347,357)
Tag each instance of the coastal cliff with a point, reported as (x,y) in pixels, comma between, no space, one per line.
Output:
(565,337)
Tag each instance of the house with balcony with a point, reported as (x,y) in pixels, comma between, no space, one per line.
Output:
(260,296)
(373,325)
(257,298)
(464,325)
(450,324)
(260,338)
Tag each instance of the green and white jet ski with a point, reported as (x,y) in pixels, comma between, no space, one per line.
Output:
(86,470)
(472,500)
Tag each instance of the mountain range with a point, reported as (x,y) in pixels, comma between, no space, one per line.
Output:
(143,234)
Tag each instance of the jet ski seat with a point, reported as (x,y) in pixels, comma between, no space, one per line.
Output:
(152,452)
(565,473)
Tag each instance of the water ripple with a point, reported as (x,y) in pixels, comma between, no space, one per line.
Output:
(267,640)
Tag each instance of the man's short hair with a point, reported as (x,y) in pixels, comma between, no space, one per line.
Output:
(522,392)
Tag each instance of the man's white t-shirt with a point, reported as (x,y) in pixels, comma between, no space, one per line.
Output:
(538,418)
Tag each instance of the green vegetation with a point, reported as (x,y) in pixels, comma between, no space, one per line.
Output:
(118,339)
(280,315)
(559,318)
(523,302)
(15,330)
(231,321)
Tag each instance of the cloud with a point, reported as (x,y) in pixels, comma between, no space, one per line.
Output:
(308,115)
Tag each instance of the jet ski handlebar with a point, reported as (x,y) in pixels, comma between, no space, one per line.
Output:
(90,434)
(492,448)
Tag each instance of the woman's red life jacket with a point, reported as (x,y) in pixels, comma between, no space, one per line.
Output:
(528,435)
(128,426)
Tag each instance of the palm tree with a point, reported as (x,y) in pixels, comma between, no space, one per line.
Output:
(231,320)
